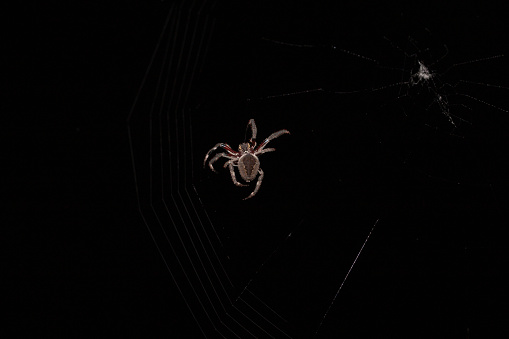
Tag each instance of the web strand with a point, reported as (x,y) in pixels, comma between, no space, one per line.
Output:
(344,280)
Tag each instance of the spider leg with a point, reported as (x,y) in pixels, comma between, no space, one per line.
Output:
(214,159)
(253,130)
(265,151)
(272,136)
(226,147)
(258,184)
(232,173)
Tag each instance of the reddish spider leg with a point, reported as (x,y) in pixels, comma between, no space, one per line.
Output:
(226,147)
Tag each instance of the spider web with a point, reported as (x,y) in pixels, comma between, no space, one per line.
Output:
(160,133)
(416,99)
(273,266)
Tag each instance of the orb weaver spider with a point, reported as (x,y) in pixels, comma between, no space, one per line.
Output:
(245,159)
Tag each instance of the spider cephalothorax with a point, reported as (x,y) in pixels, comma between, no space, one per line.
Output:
(246,158)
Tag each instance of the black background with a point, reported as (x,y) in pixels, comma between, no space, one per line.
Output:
(82,262)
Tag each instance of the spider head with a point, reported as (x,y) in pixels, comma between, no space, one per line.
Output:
(246,147)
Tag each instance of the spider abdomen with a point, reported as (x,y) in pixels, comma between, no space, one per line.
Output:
(248,166)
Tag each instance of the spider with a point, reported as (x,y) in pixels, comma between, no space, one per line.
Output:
(246,159)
